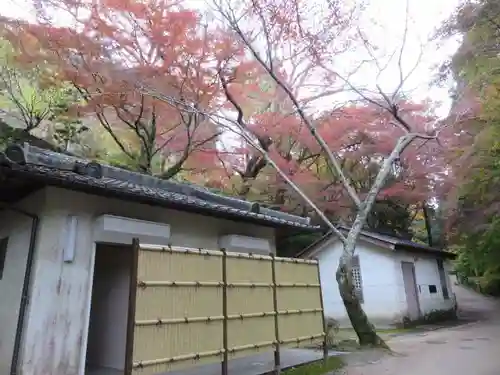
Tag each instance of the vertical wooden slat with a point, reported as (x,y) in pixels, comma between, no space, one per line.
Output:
(277,354)
(325,328)
(129,351)
(225,356)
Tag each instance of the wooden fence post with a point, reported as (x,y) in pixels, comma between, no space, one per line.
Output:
(277,354)
(325,330)
(225,355)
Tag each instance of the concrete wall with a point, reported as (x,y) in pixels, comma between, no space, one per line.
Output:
(110,295)
(378,275)
(18,228)
(56,331)
(383,285)
(426,273)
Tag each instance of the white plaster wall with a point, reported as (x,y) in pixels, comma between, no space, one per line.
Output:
(378,278)
(108,326)
(426,273)
(18,228)
(59,307)
(448,269)
(328,258)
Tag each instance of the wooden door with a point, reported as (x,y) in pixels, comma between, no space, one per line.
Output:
(410,283)
(442,278)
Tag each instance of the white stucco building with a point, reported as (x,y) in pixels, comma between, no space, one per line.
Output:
(396,279)
(63,221)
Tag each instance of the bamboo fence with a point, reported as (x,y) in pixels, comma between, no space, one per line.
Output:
(195,307)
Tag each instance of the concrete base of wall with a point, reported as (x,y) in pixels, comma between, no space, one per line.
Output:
(259,364)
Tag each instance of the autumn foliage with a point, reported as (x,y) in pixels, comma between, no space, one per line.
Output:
(361,134)
(148,71)
(112,48)
(252,98)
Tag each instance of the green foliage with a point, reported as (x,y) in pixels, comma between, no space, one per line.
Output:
(478,258)
(26,101)
(37,107)
(67,128)
(420,232)
(391,217)
(289,245)
(434,227)
(317,368)
(476,225)
(30,98)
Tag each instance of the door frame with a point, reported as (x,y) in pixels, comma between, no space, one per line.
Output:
(132,287)
(129,344)
(414,287)
(86,324)
(443,278)
(114,230)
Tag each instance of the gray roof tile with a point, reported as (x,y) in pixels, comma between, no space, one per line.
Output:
(46,168)
(398,243)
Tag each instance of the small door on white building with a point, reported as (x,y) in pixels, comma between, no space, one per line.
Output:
(410,283)
(442,278)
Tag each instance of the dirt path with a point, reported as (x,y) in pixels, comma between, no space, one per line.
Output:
(472,348)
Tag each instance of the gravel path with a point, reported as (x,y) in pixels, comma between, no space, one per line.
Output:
(469,349)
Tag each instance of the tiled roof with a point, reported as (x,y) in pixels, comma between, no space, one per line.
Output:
(395,242)
(50,168)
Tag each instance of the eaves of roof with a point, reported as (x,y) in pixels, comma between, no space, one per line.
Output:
(391,243)
(125,190)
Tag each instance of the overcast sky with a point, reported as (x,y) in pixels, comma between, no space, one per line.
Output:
(425,17)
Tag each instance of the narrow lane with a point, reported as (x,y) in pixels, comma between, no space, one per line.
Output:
(472,348)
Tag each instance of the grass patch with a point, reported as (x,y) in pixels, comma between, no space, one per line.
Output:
(316,368)
(349,332)
(392,331)
(346,345)
(346,340)
(381,330)
(433,317)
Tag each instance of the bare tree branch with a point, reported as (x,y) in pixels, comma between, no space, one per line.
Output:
(333,161)
(269,160)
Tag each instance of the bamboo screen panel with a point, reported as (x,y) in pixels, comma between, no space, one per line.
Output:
(300,312)
(201,306)
(250,304)
(179,310)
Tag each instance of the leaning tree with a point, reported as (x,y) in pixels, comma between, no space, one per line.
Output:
(268,31)
(249,40)
(262,37)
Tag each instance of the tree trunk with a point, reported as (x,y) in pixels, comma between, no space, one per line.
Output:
(145,160)
(428,225)
(246,185)
(364,329)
